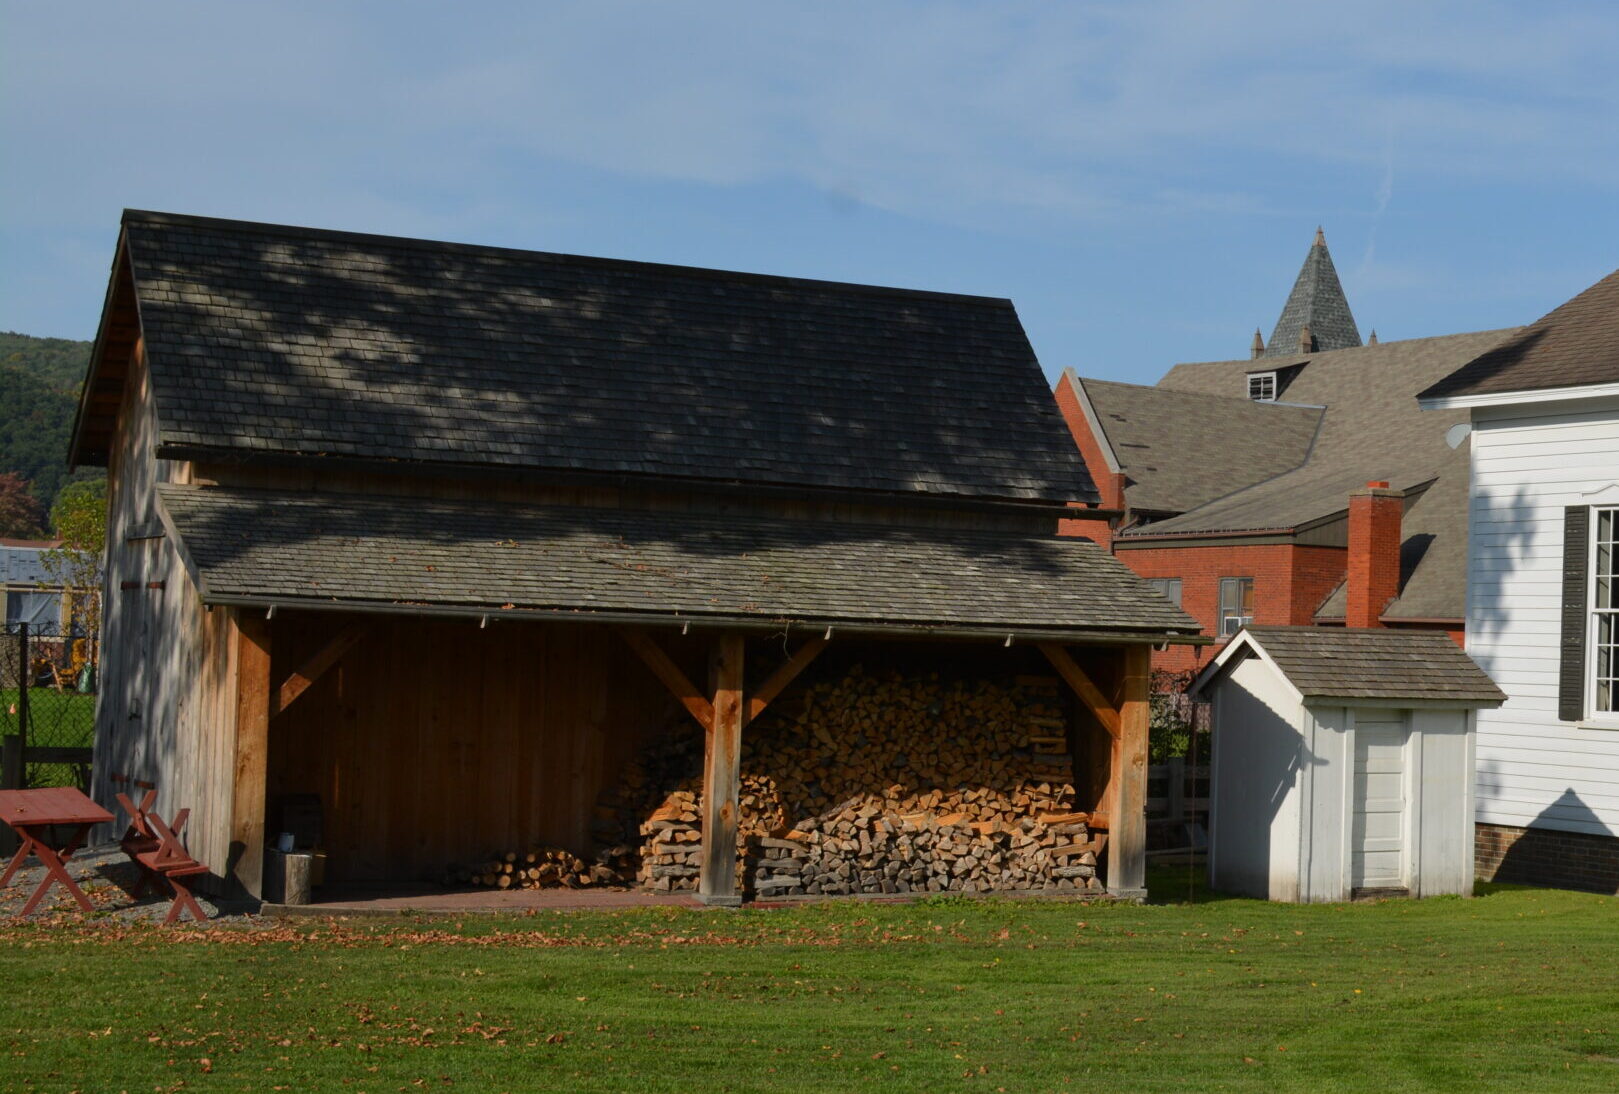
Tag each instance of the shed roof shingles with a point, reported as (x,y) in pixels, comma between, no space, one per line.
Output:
(293,341)
(1393,665)
(270,545)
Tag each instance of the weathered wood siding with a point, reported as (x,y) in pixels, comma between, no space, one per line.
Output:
(1528,463)
(844,508)
(166,710)
(436,742)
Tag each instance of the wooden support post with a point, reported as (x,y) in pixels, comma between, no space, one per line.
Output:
(312,669)
(1127,846)
(722,780)
(252,751)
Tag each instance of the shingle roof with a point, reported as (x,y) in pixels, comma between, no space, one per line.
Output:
(250,546)
(1179,449)
(1392,665)
(1372,429)
(1317,301)
(1574,345)
(268,340)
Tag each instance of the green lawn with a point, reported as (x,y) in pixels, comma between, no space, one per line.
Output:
(1514,990)
(59,719)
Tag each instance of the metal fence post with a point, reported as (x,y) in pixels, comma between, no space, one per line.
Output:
(23,684)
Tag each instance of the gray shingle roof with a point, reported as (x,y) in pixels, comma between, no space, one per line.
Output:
(257,546)
(267,340)
(1317,301)
(1393,665)
(1179,449)
(1373,429)
(1574,345)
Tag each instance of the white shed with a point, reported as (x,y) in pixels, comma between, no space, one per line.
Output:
(1342,763)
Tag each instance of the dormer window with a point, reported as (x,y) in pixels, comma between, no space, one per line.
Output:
(1262,387)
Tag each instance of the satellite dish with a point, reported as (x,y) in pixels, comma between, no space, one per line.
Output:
(1456,434)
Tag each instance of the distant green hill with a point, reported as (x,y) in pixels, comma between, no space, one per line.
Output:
(39,384)
(59,362)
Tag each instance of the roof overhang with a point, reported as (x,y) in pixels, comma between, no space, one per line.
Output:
(1516,398)
(1093,419)
(101,395)
(488,561)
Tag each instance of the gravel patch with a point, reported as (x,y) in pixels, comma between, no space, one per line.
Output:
(107,877)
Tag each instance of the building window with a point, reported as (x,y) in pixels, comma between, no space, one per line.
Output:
(1236,604)
(1604,609)
(1262,387)
(1169,587)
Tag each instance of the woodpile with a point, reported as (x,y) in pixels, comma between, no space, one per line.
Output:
(895,784)
(546,868)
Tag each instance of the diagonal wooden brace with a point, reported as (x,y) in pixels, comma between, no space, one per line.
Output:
(666,670)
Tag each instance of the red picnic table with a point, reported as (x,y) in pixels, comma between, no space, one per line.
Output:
(31,814)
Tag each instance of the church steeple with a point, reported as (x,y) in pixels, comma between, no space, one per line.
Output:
(1316,309)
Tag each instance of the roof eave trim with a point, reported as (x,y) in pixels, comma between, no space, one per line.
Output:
(717,621)
(1094,420)
(1327,698)
(1513,398)
(120,255)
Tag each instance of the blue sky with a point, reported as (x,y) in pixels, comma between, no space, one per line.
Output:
(1142,179)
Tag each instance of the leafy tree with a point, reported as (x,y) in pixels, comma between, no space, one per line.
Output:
(21,515)
(80,519)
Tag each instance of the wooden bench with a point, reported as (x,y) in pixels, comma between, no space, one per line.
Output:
(155,847)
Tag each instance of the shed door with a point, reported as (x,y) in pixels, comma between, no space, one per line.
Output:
(1377,858)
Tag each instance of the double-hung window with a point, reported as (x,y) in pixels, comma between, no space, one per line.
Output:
(1169,587)
(1236,604)
(1603,607)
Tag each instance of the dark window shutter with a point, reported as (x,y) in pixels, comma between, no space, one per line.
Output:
(1576,562)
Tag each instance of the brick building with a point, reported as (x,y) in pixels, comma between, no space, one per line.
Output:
(1301,485)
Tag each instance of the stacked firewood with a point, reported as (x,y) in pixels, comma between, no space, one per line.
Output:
(890,785)
(546,868)
(864,784)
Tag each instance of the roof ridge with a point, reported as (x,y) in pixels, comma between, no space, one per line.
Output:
(494,251)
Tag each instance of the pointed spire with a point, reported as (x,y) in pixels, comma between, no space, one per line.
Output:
(1259,345)
(1317,307)
(1372,341)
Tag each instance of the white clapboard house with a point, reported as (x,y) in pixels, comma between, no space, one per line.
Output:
(1542,606)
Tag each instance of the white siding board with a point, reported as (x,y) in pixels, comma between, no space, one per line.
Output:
(1533,768)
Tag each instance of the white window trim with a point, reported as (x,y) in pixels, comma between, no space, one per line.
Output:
(1594,718)
(1271,376)
(1219,606)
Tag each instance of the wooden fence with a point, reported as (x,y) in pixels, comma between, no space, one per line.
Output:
(1177,805)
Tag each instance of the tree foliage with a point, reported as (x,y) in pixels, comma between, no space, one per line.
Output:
(21,516)
(39,383)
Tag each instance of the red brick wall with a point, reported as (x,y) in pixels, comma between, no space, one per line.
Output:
(1544,856)
(1290,582)
(1110,484)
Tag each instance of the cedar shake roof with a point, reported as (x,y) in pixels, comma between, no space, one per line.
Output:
(1317,302)
(280,342)
(1575,345)
(1372,429)
(1392,665)
(1179,449)
(368,551)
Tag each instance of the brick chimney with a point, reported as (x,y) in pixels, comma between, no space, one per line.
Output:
(1374,552)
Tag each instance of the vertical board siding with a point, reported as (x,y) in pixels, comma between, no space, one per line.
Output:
(166,708)
(1534,768)
(436,743)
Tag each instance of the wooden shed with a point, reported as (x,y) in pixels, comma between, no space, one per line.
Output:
(1342,763)
(440,536)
